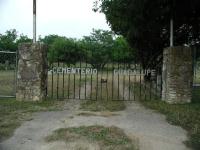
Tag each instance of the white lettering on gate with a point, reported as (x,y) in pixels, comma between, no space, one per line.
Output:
(133,72)
(91,71)
(67,70)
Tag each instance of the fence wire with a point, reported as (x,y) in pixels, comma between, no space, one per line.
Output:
(8,73)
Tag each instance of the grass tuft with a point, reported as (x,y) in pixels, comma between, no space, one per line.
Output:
(185,115)
(13,113)
(107,138)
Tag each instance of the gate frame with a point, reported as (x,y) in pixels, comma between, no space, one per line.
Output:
(15,74)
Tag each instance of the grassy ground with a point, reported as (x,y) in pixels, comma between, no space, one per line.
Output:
(13,113)
(187,116)
(107,138)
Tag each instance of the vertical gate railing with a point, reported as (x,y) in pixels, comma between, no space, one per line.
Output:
(196,73)
(8,69)
(196,66)
(112,80)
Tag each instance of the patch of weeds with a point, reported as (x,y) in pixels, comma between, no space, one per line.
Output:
(13,113)
(108,138)
(185,115)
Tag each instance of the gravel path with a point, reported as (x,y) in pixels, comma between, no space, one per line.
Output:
(147,127)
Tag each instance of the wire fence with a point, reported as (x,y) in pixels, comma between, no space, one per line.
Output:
(8,70)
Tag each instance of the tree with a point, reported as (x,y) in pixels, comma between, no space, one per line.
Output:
(122,52)
(49,39)
(145,24)
(23,39)
(8,40)
(98,47)
(64,50)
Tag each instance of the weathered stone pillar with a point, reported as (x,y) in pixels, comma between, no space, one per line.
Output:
(177,75)
(32,72)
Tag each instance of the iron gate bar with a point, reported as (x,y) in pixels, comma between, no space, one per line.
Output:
(129,87)
(69,84)
(58,65)
(91,86)
(107,80)
(156,83)
(140,82)
(63,87)
(161,86)
(144,88)
(85,77)
(112,78)
(52,82)
(134,84)
(101,82)
(97,87)
(123,81)
(150,87)
(74,83)
(80,80)
(118,83)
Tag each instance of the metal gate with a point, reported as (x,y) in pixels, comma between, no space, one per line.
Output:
(8,67)
(112,81)
(196,73)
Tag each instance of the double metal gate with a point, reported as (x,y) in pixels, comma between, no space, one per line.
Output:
(8,68)
(113,81)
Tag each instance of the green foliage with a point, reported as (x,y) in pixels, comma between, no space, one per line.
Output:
(64,50)
(23,39)
(9,42)
(98,47)
(145,24)
(122,52)
(103,47)
(49,39)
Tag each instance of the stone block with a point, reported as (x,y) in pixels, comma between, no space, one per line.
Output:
(32,72)
(177,75)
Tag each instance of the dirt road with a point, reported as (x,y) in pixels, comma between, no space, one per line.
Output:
(148,128)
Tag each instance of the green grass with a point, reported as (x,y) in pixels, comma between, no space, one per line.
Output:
(108,138)
(13,113)
(186,115)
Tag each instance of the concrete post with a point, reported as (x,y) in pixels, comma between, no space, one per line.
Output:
(177,75)
(32,72)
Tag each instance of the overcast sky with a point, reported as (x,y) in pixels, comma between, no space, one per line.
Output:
(71,18)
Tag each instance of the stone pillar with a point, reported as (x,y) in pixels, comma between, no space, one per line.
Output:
(177,75)
(32,72)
